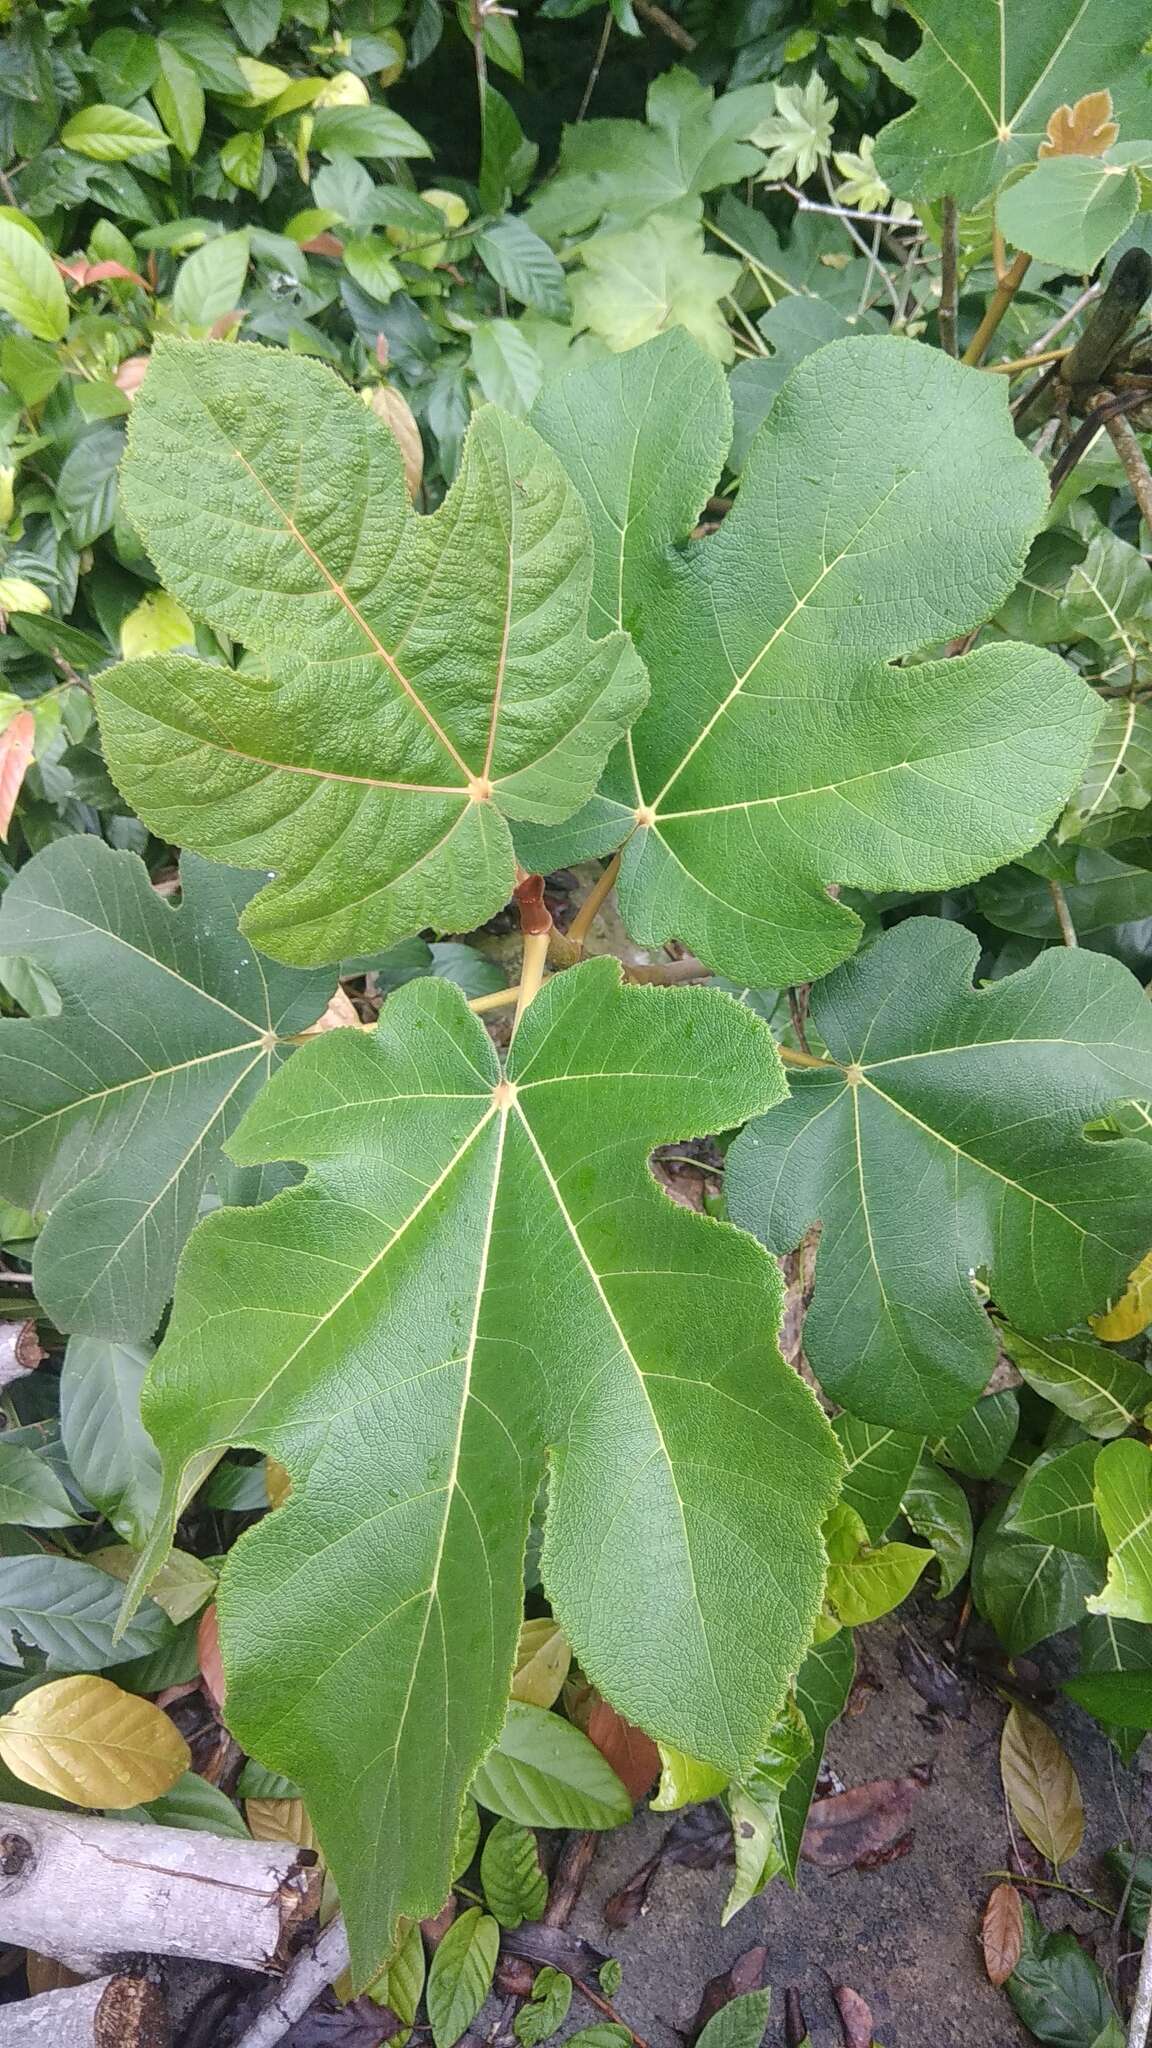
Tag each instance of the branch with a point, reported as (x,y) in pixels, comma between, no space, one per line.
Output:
(1063,914)
(949,253)
(648,11)
(314,1969)
(998,305)
(1141,2022)
(71,1882)
(87,2015)
(1135,463)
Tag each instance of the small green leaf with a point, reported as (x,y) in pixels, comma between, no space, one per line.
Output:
(515,1887)
(879,1464)
(401,1986)
(938,1510)
(467,1839)
(685,1781)
(978,1444)
(1109,1649)
(86,486)
(70,1611)
(209,284)
(547,2009)
(525,266)
(1101,1390)
(1053,1503)
(31,290)
(1069,210)
(461,1975)
(506,366)
(822,1686)
(179,98)
(740,2023)
(1028,1590)
(1123,1698)
(192,1803)
(369,131)
(115,1462)
(242,159)
(545,1774)
(112,135)
(1060,1993)
(1123,1493)
(30,1491)
(864,1583)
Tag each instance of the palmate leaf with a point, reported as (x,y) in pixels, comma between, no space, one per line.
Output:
(946,1138)
(112,1114)
(368,1330)
(781,749)
(988,75)
(415,681)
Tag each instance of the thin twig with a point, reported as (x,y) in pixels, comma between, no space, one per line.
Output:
(597,65)
(606,2006)
(1135,463)
(1015,364)
(806,205)
(998,305)
(1086,433)
(768,281)
(312,1970)
(1066,319)
(949,265)
(1063,914)
(792,1058)
(581,924)
(759,345)
(853,231)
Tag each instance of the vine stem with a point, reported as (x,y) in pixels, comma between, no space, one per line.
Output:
(1063,914)
(531,973)
(949,265)
(793,1058)
(998,305)
(581,924)
(1015,364)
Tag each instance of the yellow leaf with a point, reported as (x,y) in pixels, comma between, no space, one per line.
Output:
(7,496)
(1041,1786)
(156,626)
(1087,129)
(684,1780)
(18,595)
(344,90)
(181,1586)
(542,1659)
(279,1820)
(86,1741)
(264,81)
(393,408)
(1133,1312)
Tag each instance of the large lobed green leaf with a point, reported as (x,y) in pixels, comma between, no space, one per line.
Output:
(413,683)
(986,78)
(782,749)
(112,1114)
(947,1137)
(480,1279)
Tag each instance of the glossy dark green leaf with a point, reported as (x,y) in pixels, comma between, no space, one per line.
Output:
(1059,1992)
(1028,1590)
(1111,1648)
(937,1508)
(1123,1698)
(1054,1503)
(879,1464)
(1100,1389)
(823,1683)
(114,1459)
(69,1611)
(978,1444)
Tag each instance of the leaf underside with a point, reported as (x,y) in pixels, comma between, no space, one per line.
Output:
(949,1139)
(416,1408)
(781,749)
(412,683)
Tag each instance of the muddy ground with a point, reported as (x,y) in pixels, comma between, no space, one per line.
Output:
(904,1934)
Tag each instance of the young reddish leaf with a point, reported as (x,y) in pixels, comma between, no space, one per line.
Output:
(16,743)
(1041,1786)
(1002,1933)
(83,273)
(633,1755)
(1087,129)
(208,1651)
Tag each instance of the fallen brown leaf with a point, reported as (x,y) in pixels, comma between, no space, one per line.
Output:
(16,743)
(861,1822)
(1087,129)
(855,2017)
(633,1755)
(745,1974)
(1041,1786)
(341,1011)
(700,1839)
(1002,1933)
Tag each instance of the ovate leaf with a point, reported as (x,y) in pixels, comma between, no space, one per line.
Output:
(210,281)
(937,1509)
(948,1136)
(740,2022)
(515,1887)
(414,1423)
(866,1582)
(543,1773)
(114,1460)
(85,1740)
(69,1611)
(1123,1494)
(543,1656)
(1060,1993)
(546,2010)
(1101,1390)
(1041,1786)
(30,1491)
(823,1683)
(987,78)
(193,1803)
(1069,210)
(112,135)
(782,750)
(1028,1590)
(419,680)
(31,287)
(1053,1503)
(113,1114)
(461,1975)
(879,1464)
